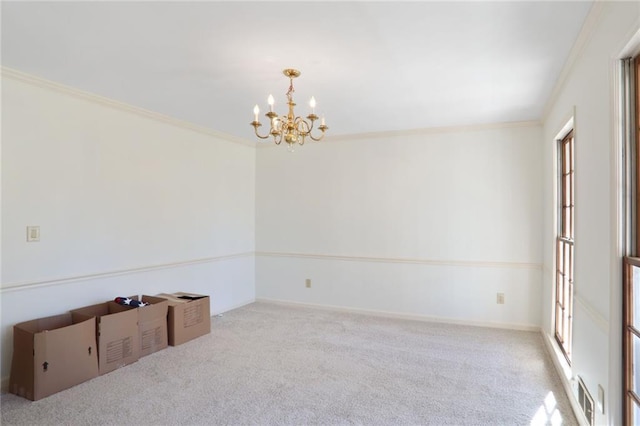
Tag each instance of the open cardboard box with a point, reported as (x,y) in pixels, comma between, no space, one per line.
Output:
(52,354)
(188,317)
(152,323)
(116,332)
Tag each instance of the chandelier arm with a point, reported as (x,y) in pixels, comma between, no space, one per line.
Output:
(309,125)
(274,121)
(303,125)
(312,118)
(255,125)
(317,139)
(277,138)
(323,129)
(301,129)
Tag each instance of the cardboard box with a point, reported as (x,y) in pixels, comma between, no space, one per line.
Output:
(116,332)
(52,354)
(152,323)
(188,317)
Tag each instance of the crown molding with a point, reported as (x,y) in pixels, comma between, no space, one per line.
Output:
(435,130)
(33,80)
(111,103)
(632,46)
(417,132)
(586,32)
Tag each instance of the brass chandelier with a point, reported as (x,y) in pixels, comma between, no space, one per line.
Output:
(288,127)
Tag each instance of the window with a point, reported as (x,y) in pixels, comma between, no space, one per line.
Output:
(564,244)
(585,400)
(632,338)
(631,272)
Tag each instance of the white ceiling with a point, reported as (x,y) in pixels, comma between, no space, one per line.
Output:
(372,66)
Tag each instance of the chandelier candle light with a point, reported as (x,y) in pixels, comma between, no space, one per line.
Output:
(289,128)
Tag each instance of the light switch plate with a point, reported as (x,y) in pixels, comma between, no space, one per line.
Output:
(33,234)
(601,399)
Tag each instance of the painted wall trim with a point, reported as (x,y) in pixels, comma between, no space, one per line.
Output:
(417,132)
(101,100)
(399,315)
(587,30)
(632,48)
(222,311)
(596,317)
(564,372)
(11,287)
(459,263)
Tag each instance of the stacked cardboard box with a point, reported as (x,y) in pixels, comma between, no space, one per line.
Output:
(117,334)
(55,353)
(152,323)
(189,316)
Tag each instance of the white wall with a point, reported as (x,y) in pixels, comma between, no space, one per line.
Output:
(589,93)
(127,203)
(429,224)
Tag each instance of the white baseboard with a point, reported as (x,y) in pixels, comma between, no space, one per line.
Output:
(399,315)
(565,374)
(231,308)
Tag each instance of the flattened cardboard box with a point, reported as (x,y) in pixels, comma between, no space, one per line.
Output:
(152,323)
(188,317)
(117,335)
(52,354)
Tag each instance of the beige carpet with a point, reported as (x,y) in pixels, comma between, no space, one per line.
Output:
(268,364)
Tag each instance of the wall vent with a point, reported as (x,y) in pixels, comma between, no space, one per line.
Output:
(586,401)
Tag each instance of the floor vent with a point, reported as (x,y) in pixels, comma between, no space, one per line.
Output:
(585,400)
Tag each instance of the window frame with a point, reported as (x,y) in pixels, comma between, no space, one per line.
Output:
(631,396)
(565,244)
